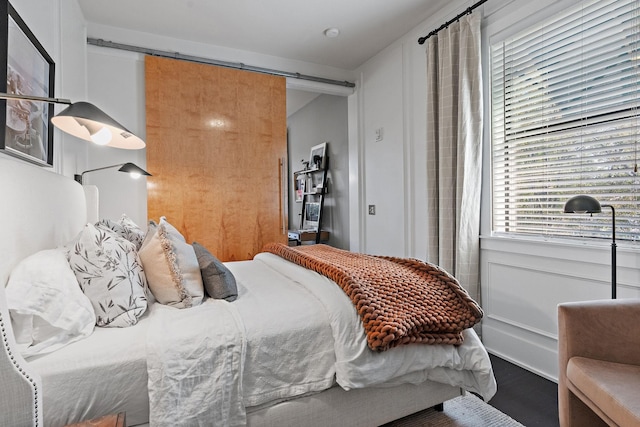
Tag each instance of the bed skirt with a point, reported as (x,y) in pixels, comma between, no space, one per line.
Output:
(362,407)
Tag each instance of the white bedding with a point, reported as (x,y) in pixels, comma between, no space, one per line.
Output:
(467,365)
(296,331)
(281,336)
(283,311)
(101,374)
(195,361)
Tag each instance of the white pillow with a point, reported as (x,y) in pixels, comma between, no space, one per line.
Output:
(110,274)
(47,308)
(171,266)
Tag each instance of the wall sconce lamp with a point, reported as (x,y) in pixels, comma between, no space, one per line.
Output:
(86,121)
(587,204)
(133,170)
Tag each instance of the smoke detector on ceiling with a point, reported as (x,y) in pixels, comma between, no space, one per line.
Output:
(332,32)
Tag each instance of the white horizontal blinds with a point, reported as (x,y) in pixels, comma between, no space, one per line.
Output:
(565,122)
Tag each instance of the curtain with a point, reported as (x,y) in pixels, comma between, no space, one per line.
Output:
(454,150)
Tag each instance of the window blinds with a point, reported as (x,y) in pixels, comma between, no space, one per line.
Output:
(565,122)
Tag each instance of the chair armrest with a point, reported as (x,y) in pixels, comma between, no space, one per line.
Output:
(603,329)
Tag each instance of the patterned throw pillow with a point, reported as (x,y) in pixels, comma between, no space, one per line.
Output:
(171,266)
(219,282)
(126,228)
(110,274)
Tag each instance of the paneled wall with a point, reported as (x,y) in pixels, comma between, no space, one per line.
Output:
(523,283)
(216,147)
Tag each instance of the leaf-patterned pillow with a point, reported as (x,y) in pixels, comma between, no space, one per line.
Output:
(126,228)
(110,274)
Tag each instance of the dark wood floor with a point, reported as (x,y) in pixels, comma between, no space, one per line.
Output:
(526,397)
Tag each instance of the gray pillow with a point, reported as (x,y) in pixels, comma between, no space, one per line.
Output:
(218,280)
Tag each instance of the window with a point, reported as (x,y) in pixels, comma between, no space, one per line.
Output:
(565,122)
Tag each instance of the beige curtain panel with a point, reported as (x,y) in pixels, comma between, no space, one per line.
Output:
(454,150)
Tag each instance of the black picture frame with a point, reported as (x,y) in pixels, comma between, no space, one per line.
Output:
(317,156)
(27,69)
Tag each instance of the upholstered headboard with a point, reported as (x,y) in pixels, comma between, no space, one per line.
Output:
(39,210)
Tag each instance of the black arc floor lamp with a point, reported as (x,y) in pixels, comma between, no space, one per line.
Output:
(587,204)
(133,170)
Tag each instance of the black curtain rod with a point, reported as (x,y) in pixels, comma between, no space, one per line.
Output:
(421,40)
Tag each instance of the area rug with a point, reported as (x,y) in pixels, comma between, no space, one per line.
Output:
(463,411)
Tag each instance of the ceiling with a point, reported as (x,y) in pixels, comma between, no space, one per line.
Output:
(291,29)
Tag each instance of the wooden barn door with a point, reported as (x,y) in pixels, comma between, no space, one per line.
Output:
(216,147)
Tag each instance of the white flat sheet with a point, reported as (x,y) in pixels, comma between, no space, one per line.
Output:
(207,363)
(289,340)
(195,360)
(104,373)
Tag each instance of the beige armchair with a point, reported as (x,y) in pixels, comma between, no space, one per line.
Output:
(599,363)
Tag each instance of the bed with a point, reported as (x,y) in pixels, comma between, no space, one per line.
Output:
(271,357)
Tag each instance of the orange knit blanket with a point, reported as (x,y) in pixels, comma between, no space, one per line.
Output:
(399,300)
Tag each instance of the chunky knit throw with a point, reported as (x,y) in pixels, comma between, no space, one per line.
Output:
(399,300)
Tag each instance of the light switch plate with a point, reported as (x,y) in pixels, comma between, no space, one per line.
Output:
(379,134)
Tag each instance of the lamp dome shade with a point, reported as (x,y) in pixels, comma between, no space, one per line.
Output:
(582,204)
(86,121)
(131,168)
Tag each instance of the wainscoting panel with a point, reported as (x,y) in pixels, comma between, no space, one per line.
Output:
(522,284)
(527,297)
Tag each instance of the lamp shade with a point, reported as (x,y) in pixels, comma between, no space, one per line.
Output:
(131,168)
(86,121)
(587,204)
(582,204)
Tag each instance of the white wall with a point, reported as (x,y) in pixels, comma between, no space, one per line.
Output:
(383,167)
(116,85)
(391,173)
(59,27)
(522,281)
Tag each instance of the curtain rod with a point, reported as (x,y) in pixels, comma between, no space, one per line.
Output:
(421,40)
(236,65)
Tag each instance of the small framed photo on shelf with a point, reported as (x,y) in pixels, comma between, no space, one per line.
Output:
(25,69)
(300,186)
(317,156)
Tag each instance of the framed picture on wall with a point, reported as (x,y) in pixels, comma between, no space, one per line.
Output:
(317,156)
(25,69)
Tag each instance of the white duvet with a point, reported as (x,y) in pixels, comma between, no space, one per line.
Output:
(195,361)
(290,332)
